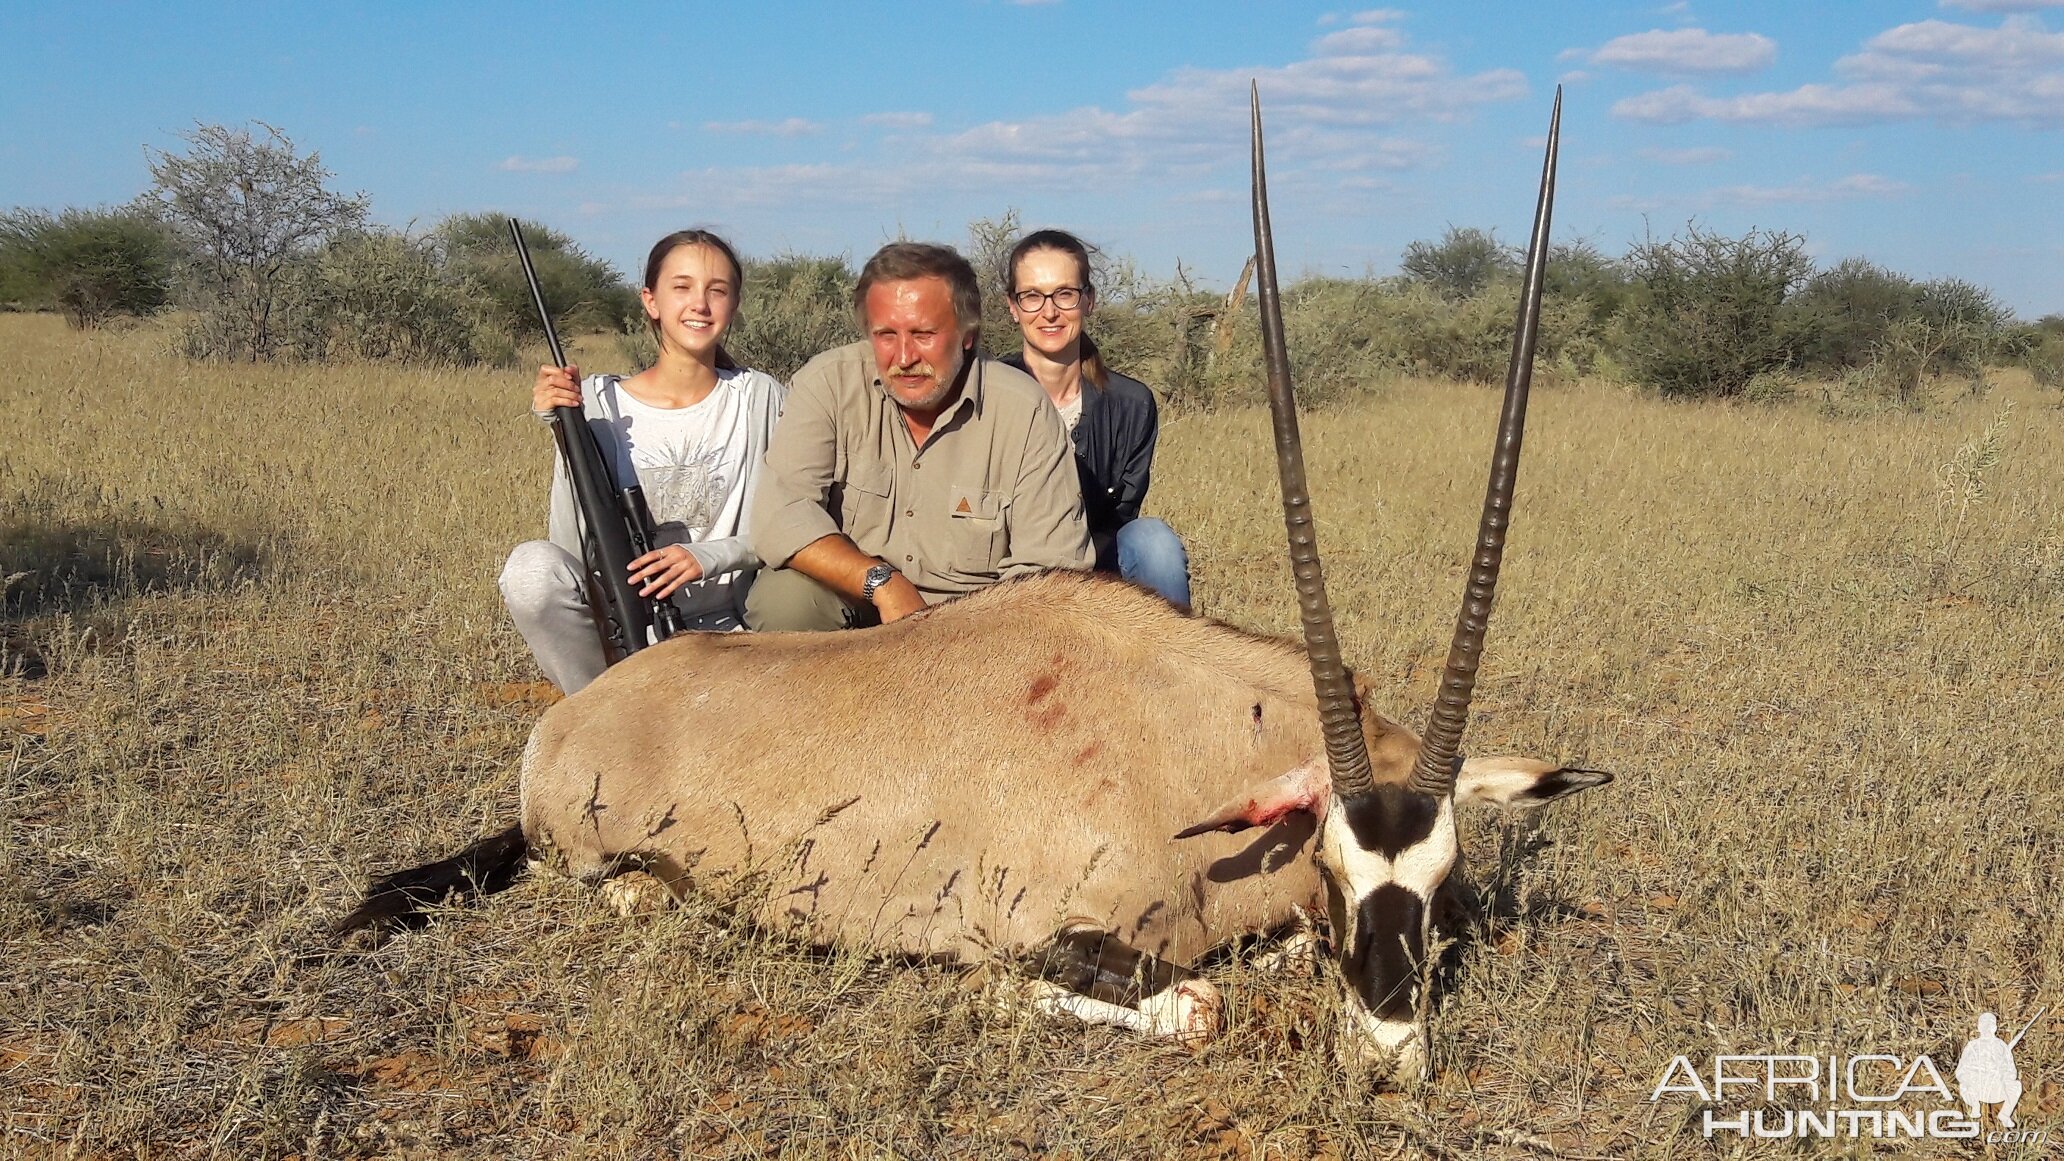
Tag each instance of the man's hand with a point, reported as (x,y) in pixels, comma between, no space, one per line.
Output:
(897,599)
(663,570)
(835,563)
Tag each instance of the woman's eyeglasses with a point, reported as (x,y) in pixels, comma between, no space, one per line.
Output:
(1034,301)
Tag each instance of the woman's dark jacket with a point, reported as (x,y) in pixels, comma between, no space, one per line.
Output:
(1114,455)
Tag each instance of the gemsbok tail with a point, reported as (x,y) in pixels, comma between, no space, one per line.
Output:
(398,899)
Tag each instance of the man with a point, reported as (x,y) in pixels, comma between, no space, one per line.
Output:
(906,468)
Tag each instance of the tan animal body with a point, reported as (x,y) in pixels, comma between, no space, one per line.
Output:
(991,768)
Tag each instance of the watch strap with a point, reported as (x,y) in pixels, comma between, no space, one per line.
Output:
(877,576)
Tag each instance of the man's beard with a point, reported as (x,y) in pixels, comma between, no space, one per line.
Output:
(941,391)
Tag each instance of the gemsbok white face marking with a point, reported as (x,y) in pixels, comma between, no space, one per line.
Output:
(1381,919)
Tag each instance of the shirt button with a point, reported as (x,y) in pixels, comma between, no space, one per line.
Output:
(910,511)
(909,559)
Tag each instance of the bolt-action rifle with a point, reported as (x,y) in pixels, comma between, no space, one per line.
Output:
(615,524)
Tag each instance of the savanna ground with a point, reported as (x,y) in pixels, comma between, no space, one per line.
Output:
(256,654)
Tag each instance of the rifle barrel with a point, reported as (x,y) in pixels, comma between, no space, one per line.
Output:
(537,294)
(2025,1027)
(623,614)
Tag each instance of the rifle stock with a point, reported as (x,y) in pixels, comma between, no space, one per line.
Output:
(615,528)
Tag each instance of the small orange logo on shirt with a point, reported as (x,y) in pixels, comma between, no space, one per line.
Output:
(964,506)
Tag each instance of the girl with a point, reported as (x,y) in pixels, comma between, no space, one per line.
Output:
(691,430)
(1111,418)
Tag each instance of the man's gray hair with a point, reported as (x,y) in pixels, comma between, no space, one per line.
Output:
(903,261)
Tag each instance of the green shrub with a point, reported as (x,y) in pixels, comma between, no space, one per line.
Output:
(1967,326)
(1842,313)
(380,295)
(795,306)
(1580,276)
(1772,387)
(1710,315)
(1348,335)
(91,265)
(584,293)
(988,247)
(20,287)
(1461,265)
(2040,348)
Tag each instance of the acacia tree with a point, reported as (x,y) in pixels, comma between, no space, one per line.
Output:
(248,208)
(1461,265)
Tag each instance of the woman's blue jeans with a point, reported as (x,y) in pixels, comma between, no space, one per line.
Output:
(1151,554)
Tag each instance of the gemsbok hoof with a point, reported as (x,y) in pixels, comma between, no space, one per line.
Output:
(635,893)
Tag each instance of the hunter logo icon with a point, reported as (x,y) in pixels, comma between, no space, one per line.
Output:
(1860,1095)
(1985,1072)
(962,509)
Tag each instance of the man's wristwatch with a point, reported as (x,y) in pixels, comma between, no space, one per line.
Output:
(877,576)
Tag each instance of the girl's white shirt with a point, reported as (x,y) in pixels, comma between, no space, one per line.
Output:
(698,466)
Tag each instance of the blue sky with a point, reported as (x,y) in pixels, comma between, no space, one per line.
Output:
(1923,134)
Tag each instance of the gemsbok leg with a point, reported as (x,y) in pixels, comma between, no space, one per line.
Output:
(1092,975)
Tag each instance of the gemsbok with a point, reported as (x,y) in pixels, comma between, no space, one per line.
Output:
(1051,772)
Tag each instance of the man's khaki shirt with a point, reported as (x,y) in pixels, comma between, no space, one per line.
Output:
(992,493)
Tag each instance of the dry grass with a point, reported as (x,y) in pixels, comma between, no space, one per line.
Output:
(259,655)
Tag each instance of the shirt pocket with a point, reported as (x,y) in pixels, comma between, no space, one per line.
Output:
(864,507)
(978,523)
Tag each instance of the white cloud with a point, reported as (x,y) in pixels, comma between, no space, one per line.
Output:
(1687,50)
(539,164)
(1852,188)
(2003,5)
(1361,39)
(791,127)
(1805,105)
(1696,155)
(1957,73)
(898,120)
(1356,104)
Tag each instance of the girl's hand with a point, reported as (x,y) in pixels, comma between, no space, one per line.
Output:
(555,387)
(663,570)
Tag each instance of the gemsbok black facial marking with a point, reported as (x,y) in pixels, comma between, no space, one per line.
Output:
(1381,961)
(1389,819)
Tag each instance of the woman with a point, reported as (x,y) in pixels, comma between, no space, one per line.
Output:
(691,430)
(1111,418)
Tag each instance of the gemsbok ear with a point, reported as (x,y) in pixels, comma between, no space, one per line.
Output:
(1305,788)
(1522,782)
